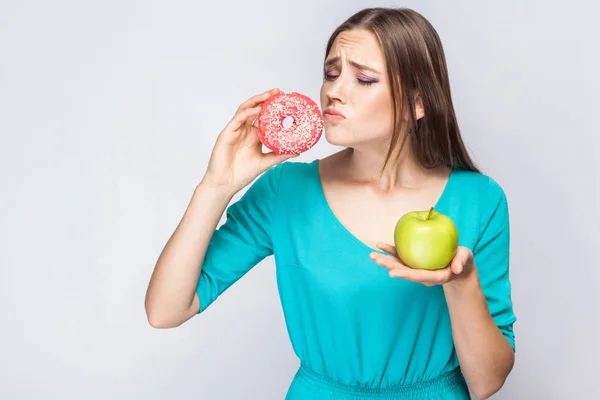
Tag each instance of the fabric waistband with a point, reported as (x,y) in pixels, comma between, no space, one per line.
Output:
(449,381)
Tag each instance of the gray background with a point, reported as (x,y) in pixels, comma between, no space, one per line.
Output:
(108,113)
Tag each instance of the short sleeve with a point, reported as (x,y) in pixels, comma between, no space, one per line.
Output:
(242,241)
(492,258)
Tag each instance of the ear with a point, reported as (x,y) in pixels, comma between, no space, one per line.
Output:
(419,109)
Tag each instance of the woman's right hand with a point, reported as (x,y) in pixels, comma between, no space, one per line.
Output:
(237,157)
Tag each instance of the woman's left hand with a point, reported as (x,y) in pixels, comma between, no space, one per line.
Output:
(460,266)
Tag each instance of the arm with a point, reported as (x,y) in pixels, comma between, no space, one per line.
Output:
(199,262)
(485,355)
(480,304)
(171,297)
(478,295)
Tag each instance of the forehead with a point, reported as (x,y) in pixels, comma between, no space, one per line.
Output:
(358,45)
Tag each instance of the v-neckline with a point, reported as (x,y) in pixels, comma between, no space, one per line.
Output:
(325,203)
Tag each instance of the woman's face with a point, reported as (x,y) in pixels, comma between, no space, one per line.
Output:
(356,85)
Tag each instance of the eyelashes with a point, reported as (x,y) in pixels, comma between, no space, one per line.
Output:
(362,81)
(365,82)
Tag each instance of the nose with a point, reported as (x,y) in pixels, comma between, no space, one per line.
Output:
(336,90)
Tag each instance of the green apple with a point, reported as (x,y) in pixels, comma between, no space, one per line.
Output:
(426,239)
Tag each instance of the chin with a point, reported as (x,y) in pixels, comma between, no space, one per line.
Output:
(337,137)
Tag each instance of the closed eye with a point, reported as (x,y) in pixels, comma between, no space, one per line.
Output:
(367,82)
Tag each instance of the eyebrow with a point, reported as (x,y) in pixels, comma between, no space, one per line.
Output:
(335,60)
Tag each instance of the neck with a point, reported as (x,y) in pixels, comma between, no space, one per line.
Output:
(363,164)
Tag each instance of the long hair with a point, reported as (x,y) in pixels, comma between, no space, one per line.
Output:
(416,64)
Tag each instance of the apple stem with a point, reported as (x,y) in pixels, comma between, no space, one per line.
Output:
(429,215)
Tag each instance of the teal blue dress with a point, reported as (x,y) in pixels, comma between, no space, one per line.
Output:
(359,333)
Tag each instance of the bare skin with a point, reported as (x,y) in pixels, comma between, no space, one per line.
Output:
(352,184)
(366,132)
(340,182)
(236,159)
(365,128)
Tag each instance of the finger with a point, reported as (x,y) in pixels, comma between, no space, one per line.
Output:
(388,249)
(457,263)
(425,277)
(256,122)
(460,260)
(456,267)
(241,117)
(398,270)
(386,261)
(258,99)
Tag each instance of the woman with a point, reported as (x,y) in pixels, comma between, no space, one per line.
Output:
(362,324)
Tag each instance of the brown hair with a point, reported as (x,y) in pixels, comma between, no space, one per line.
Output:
(415,65)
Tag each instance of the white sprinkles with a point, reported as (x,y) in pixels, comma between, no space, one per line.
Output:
(304,132)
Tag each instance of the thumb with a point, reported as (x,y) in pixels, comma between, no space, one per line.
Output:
(462,257)
(457,266)
(458,262)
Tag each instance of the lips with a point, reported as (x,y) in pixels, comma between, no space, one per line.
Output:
(332,111)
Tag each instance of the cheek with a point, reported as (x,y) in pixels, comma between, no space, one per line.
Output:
(376,107)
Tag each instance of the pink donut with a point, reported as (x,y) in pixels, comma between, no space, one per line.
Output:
(305,130)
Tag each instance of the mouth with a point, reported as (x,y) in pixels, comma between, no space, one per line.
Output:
(332,114)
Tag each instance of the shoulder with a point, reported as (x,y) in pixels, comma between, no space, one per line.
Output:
(283,180)
(273,178)
(296,175)
(291,169)
(480,187)
(482,198)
